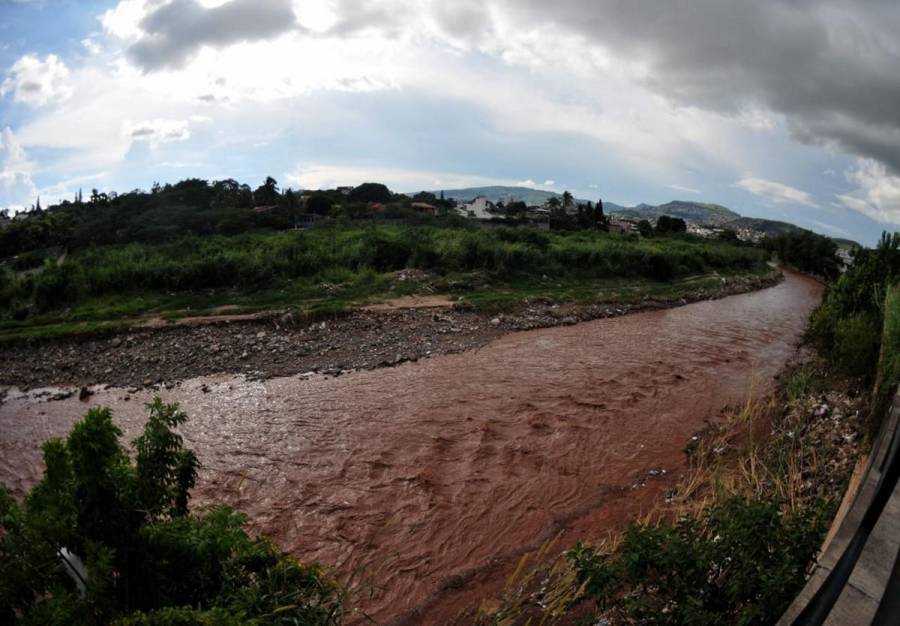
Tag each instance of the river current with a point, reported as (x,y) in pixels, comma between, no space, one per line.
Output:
(433,478)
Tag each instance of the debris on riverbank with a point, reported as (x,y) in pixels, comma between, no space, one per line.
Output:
(279,345)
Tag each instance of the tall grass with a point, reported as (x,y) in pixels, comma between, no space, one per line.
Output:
(253,261)
(889,359)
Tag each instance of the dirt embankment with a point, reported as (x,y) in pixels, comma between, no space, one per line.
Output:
(279,345)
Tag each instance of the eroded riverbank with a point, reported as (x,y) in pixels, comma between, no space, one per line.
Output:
(439,473)
(264,346)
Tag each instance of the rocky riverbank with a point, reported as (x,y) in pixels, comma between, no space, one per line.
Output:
(280,345)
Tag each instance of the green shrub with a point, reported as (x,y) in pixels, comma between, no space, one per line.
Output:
(742,562)
(149,561)
(57,285)
(847,324)
(856,344)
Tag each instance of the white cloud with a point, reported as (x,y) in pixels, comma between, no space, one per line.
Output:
(38,82)
(65,189)
(158,131)
(326,176)
(776,192)
(17,190)
(684,189)
(878,192)
(124,19)
(91,46)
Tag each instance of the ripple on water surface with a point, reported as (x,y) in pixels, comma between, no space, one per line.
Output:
(447,468)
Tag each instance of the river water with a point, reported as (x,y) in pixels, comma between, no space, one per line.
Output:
(432,478)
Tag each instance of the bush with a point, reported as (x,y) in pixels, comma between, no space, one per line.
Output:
(856,345)
(57,285)
(148,560)
(741,562)
(848,322)
(657,267)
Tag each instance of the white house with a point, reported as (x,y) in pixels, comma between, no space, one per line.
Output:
(479,209)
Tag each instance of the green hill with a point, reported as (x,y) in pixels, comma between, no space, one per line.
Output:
(702,213)
(769,228)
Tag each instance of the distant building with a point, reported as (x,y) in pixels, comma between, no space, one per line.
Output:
(345,190)
(479,208)
(703,231)
(306,220)
(424,207)
(619,225)
(537,213)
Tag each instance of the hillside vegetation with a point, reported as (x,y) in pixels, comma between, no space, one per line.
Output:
(354,260)
(196,246)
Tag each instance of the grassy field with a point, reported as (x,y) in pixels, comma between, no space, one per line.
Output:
(329,271)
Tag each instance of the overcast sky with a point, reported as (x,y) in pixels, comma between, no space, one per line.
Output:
(781,109)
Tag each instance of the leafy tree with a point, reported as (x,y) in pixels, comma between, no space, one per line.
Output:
(426,196)
(267,194)
(666,224)
(807,251)
(318,203)
(98,197)
(567,200)
(148,561)
(370,192)
(645,228)
(516,209)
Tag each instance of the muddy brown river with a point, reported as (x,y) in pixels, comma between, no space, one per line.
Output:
(433,478)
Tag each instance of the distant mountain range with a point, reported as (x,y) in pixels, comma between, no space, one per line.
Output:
(700,213)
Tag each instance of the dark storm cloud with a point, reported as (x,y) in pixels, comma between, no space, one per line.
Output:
(832,67)
(176,30)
